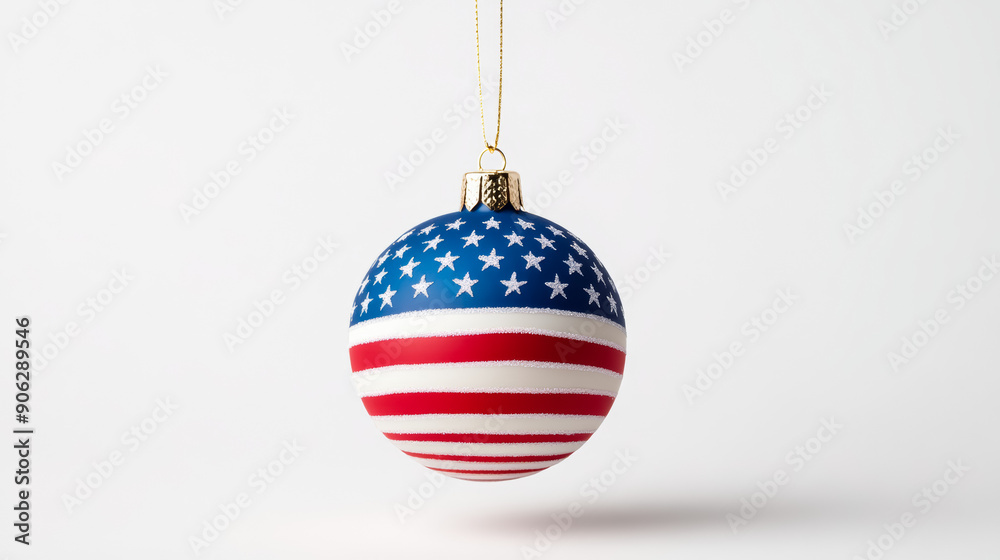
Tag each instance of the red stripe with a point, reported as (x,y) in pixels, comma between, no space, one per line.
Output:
(491,438)
(519,471)
(488,479)
(489,459)
(488,347)
(488,403)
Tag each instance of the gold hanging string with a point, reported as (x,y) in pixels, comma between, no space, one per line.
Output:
(479,76)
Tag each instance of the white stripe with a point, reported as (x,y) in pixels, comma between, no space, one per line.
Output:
(495,377)
(441,322)
(488,449)
(498,476)
(477,466)
(488,423)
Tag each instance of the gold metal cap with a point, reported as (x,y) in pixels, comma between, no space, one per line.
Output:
(495,188)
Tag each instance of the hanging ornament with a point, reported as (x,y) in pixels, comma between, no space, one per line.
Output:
(488,343)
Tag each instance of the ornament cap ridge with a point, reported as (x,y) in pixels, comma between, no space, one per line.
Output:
(495,188)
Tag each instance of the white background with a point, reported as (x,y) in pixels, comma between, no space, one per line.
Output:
(64,235)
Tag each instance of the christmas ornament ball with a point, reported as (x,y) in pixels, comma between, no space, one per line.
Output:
(487,345)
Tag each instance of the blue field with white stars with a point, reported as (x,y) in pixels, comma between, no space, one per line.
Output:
(484,259)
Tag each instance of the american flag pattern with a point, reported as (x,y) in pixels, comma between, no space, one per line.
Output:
(487,345)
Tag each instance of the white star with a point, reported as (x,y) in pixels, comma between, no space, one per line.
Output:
(378,277)
(408,268)
(524,224)
(492,223)
(600,275)
(353,307)
(595,296)
(363,284)
(579,249)
(491,259)
(514,238)
(364,304)
(555,231)
(532,261)
(382,258)
(546,243)
(427,230)
(574,266)
(446,260)
(387,296)
(399,253)
(421,286)
(472,239)
(466,284)
(614,305)
(433,243)
(513,285)
(404,236)
(456,224)
(557,288)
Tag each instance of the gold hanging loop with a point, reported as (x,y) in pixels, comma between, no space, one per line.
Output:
(497,150)
(479,76)
(497,189)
